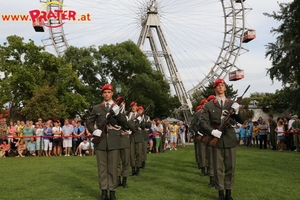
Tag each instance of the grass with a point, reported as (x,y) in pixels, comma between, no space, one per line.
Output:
(260,175)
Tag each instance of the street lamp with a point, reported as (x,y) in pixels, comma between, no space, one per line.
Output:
(118,88)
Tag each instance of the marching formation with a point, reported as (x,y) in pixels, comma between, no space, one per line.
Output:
(120,140)
(215,140)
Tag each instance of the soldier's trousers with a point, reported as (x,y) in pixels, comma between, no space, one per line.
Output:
(224,163)
(144,150)
(136,154)
(107,162)
(209,159)
(124,162)
(201,152)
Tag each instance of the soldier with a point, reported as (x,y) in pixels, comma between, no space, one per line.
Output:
(210,171)
(124,159)
(197,137)
(224,154)
(201,151)
(107,140)
(136,140)
(145,125)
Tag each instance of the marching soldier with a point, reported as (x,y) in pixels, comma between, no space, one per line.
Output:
(145,125)
(105,123)
(136,140)
(201,151)
(224,154)
(124,160)
(197,137)
(210,171)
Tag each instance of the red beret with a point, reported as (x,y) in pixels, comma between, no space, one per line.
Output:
(139,108)
(203,101)
(198,108)
(217,82)
(119,99)
(107,87)
(133,103)
(211,97)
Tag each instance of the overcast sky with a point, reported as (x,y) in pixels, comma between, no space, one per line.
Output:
(118,21)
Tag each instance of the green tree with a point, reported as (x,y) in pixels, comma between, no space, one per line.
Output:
(284,52)
(124,64)
(27,68)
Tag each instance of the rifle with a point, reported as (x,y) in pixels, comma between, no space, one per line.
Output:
(214,142)
(107,120)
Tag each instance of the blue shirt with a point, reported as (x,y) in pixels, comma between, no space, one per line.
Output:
(78,131)
(31,146)
(49,133)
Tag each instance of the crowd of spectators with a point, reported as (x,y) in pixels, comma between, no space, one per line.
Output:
(49,138)
(167,135)
(280,134)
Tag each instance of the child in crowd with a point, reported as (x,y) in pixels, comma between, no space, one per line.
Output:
(31,146)
(280,134)
(4,148)
(84,147)
(21,148)
(39,142)
(255,133)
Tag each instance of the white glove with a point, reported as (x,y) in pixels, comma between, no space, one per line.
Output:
(216,133)
(129,132)
(97,132)
(236,107)
(224,114)
(200,133)
(116,109)
(139,118)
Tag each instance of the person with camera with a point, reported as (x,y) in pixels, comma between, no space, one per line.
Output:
(105,123)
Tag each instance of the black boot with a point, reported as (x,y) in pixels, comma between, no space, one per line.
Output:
(202,171)
(124,182)
(119,181)
(228,195)
(112,195)
(137,171)
(211,182)
(104,195)
(221,195)
(133,173)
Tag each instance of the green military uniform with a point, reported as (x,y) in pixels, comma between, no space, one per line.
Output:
(136,141)
(107,150)
(123,165)
(196,117)
(224,155)
(145,125)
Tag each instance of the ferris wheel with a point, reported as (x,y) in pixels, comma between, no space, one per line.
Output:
(205,37)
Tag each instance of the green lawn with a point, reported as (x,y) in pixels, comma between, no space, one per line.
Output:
(260,175)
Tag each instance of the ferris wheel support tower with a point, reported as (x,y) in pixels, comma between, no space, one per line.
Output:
(149,23)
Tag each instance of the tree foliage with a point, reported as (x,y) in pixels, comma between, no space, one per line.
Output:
(284,52)
(39,84)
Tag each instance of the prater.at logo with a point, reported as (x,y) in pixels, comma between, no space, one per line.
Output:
(38,17)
